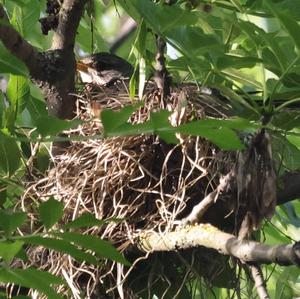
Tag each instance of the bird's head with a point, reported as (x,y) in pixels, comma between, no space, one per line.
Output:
(103,69)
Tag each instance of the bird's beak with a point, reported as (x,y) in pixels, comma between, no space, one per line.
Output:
(81,67)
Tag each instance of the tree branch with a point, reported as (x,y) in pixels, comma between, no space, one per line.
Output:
(54,70)
(15,43)
(69,17)
(209,236)
(259,282)
(199,209)
(161,76)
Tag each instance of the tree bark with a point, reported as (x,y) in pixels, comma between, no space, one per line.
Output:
(206,235)
(54,70)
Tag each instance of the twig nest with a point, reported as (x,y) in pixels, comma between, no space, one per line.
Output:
(141,180)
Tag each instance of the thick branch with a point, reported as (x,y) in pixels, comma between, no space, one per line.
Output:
(14,42)
(54,70)
(209,236)
(69,18)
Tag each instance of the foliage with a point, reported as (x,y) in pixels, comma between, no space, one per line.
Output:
(248,50)
(62,238)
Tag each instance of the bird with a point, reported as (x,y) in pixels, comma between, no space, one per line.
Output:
(103,69)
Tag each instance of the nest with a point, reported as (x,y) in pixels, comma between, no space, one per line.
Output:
(147,184)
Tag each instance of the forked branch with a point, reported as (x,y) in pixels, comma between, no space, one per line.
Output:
(54,70)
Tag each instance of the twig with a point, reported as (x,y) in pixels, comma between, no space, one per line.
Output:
(199,209)
(209,236)
(259,282)
(161,74)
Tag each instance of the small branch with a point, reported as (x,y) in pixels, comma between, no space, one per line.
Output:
(209,236)
(161,76)
(199,209)
(259,282)
(69,17)
(15,43)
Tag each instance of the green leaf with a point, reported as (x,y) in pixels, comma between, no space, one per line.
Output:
(286,120)
(9,64)
(57,125)
(287,278)
(242,77)
(129,129)
(286,149)
(85,220)
(227,61)
(3,193)
(9,221)
(85,37)
(213,130)
(2,109)
(8,249)
(37,109)
(114,119)
(21,2)
(160,17)
(18,92)
(99,246)
(162,126)
(61,246)
(141,38)
(192,41)
(9,154)
(290,24)
(50,212)
(32,278)
(30,15)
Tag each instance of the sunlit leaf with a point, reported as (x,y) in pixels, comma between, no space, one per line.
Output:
(242,77)
(18,92)
(9,249)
